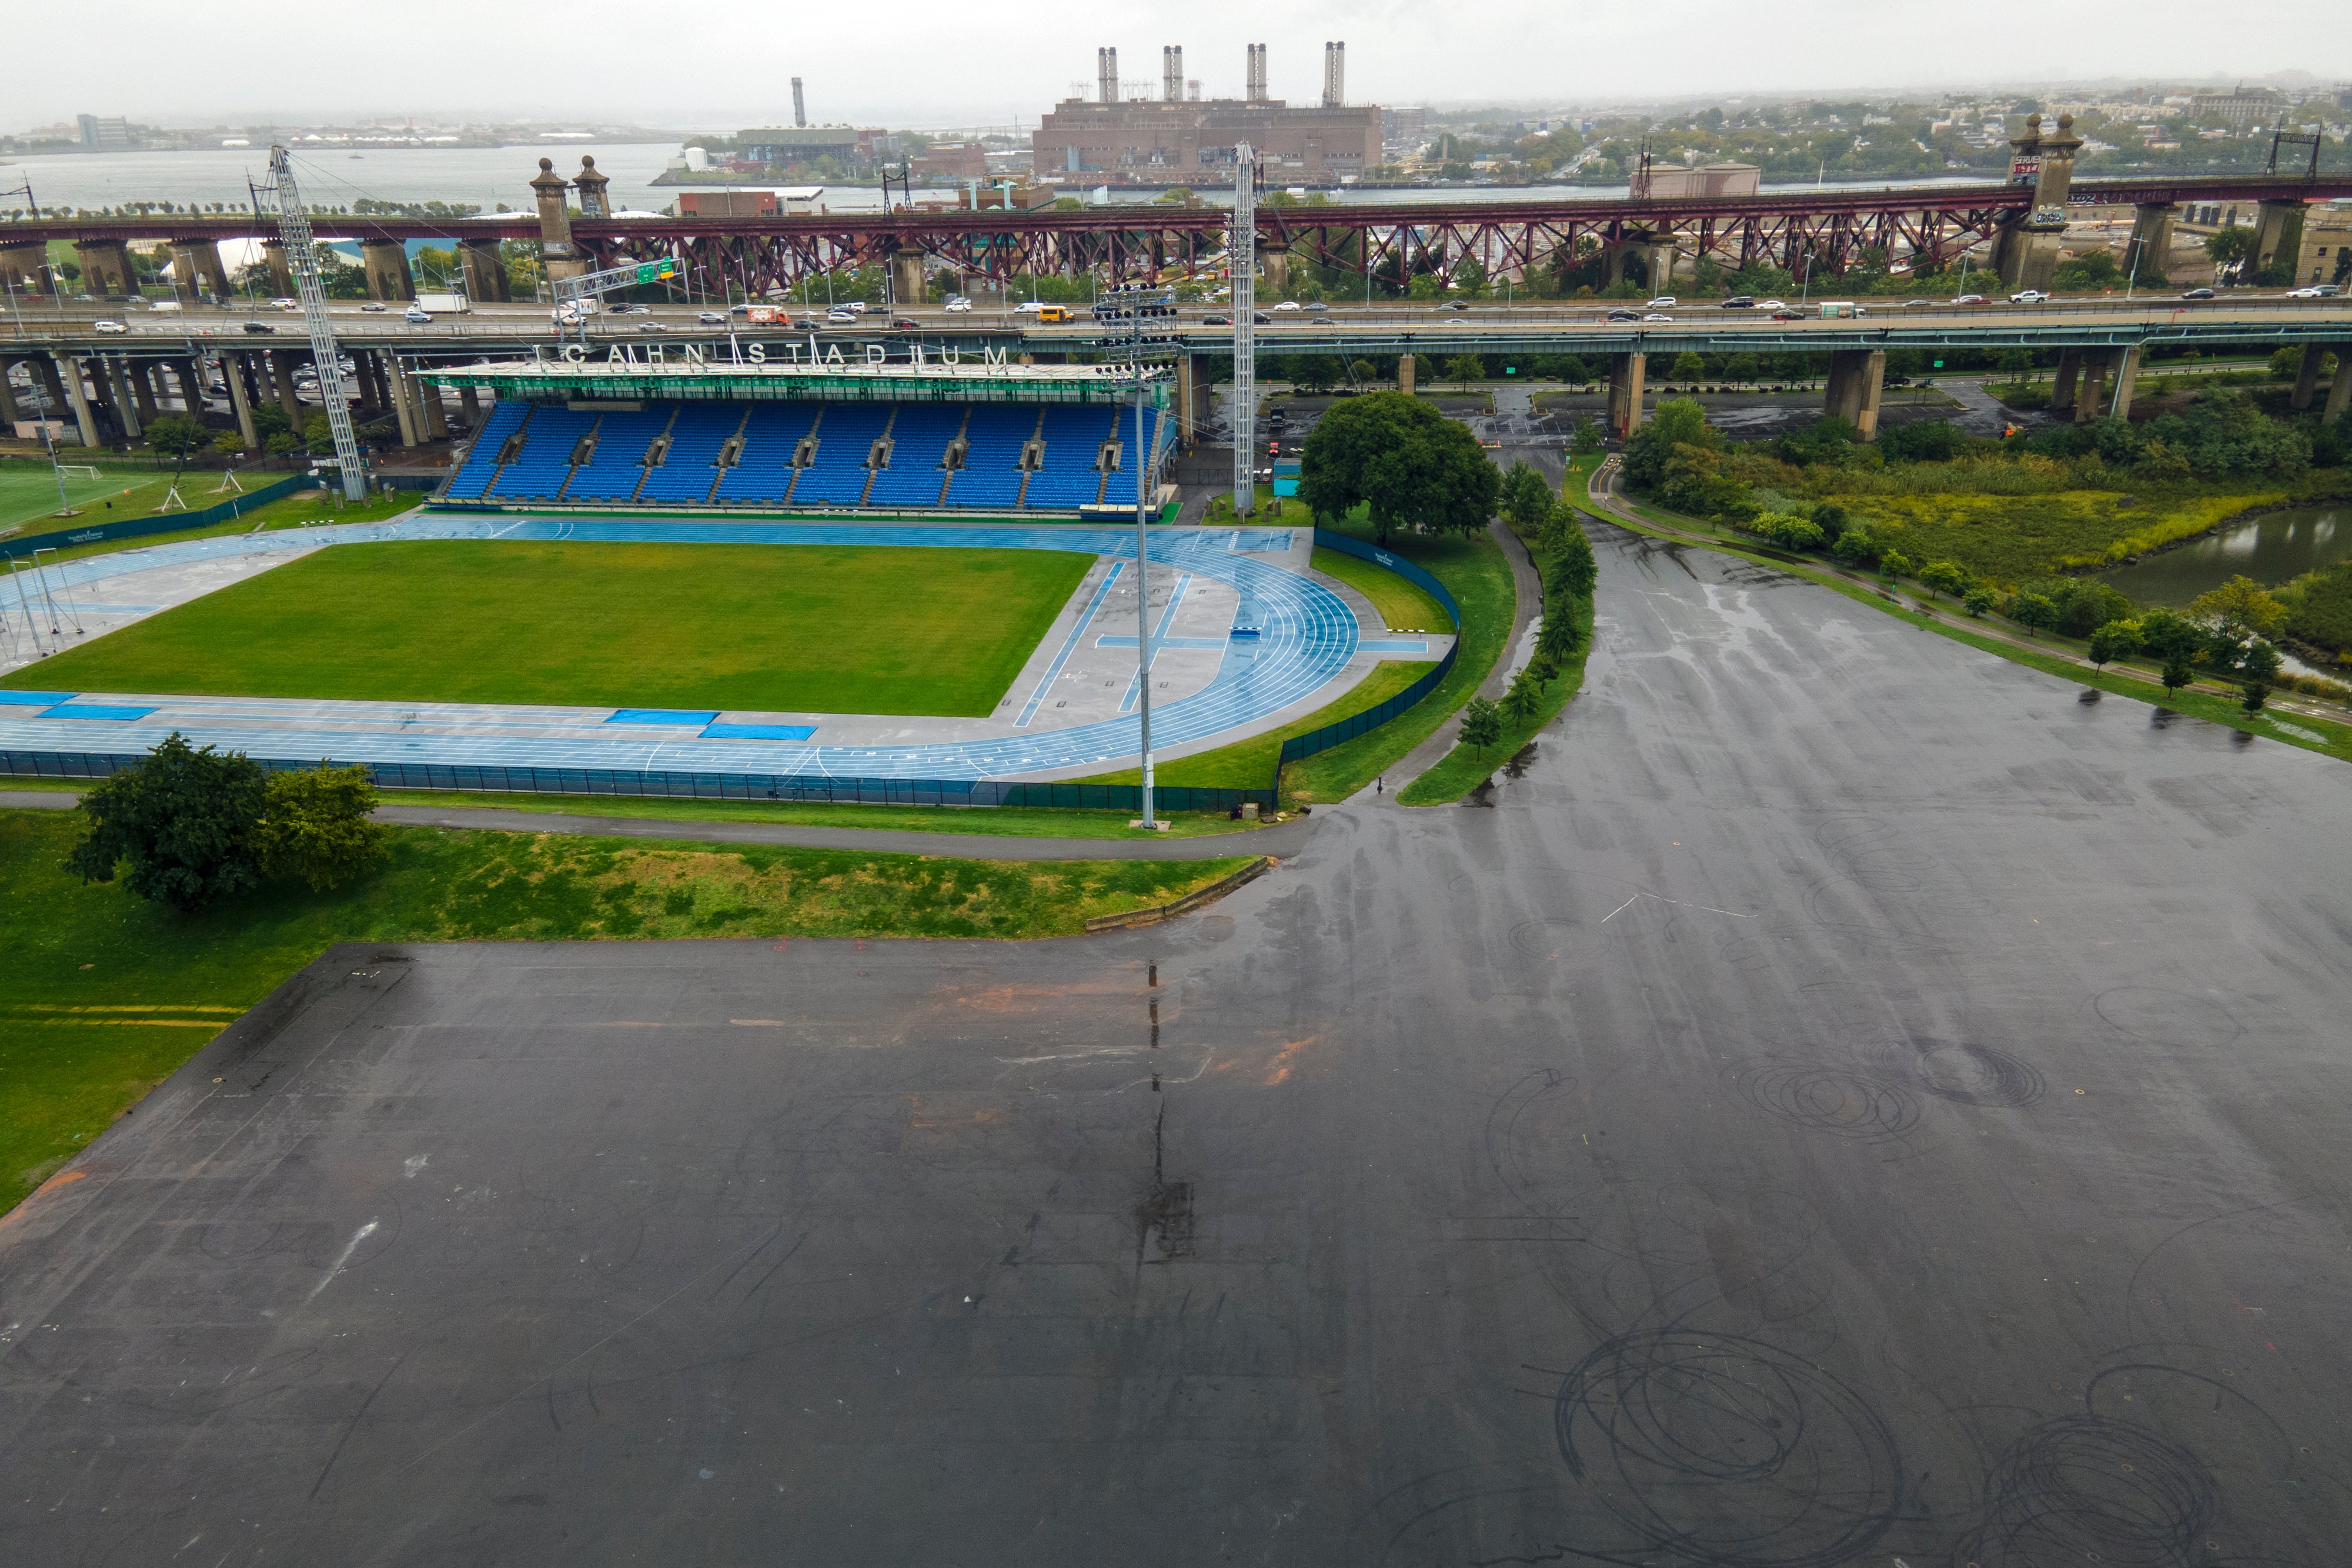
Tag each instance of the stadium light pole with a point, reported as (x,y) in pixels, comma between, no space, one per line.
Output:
(1139,315)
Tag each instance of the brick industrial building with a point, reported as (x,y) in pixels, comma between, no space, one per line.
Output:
(1176,136)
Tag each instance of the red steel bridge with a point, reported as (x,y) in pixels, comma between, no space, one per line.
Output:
(1928,224)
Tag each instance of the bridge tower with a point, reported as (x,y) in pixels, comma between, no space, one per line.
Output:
(2026,254)
(562,259)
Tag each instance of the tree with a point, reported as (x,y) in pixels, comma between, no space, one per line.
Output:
(1742,367)
(1482,724)
(2116,639)
(1677,422)
(183,819)
(1977,599)
(1465,368)
(1943,576)
(2230,247)
(314,826)
(176,435)
(1526,495)
(2034,612)
(1525,695)
(1892,564)
(1584,437)
(1404,460)
(2172,637)
(1572,371)
(228,443)
(1688,367)
(2017,364)
(1569,567)
(2239,610)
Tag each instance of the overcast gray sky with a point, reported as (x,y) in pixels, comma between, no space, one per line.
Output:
(920,62)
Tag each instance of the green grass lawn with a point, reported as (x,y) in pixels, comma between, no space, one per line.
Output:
(1459,771)
(29,496)
(289,511)
(2017,538)
(797,628)
(106,995)
(1399,604)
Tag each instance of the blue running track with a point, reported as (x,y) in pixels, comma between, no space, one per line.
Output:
(1306,637)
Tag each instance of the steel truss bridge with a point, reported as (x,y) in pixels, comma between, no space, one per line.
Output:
(760,254)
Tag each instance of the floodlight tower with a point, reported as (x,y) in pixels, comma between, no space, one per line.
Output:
(1139,315)
(294,233)
(1240,266)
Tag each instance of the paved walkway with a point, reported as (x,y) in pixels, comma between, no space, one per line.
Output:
(1281,839)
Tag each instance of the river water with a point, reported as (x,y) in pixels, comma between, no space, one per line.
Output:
(488,176)
(2269,549)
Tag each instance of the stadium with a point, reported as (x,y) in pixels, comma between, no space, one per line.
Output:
(758,571)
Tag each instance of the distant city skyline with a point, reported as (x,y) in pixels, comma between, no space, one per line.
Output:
(606,63)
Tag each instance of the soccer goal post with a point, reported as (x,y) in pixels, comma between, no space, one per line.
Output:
(80,471)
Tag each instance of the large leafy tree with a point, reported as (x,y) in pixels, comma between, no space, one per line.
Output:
(183,820)
(1407,463)
(1678,422)
(314,826)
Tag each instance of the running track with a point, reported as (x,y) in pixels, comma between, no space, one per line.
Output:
(1306,636)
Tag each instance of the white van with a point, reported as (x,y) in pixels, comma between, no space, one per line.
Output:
(1834,307)
(165,307)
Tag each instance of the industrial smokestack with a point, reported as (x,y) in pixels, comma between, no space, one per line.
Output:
(1172,72)
(1107,74)
(1335,75)
(799,104)
(1256,90)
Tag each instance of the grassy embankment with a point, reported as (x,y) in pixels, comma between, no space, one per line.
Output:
(108,995)
(291,511)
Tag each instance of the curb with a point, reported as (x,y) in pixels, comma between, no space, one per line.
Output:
(1186,904)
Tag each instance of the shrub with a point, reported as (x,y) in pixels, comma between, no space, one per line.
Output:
(1855,546)
(1787,530)
(183,820)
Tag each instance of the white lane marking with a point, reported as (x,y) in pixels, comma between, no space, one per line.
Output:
(361,1234)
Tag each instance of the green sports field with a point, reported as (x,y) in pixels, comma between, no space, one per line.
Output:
(788,628)
(28,494)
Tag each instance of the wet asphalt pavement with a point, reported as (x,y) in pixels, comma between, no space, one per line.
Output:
(1847,1102)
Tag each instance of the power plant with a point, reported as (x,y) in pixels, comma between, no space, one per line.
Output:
(1180,134)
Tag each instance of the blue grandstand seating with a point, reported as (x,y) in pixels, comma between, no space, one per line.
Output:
(771,435)
(839,474)
(619,465)
(991,475)
(919,445)
(545,466)
(685,475)
(482,456)
(1068,477)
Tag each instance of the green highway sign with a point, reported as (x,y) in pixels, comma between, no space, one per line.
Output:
(655,271)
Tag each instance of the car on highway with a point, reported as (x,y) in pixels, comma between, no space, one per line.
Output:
(1740,302)
(1454,305)
(259,327)
(840,316)
(2316,291)
(372,305)
(633,311)
(1217,320)
(417,313)
(1657,315)
(2197,293)
(108,327)
(1261,317)
(1028,308)
(2028,296)
(286,305)
(1785,314)
(1661,302)
(856,307)
(1624,316)
(1772,304)
(739,309)
(1914,304)
(711,318)
(1287,305)
(958,305)
(905,324)
(649,326)
(1322,321)
(1967,299)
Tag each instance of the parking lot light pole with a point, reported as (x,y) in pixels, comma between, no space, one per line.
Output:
(1139,316)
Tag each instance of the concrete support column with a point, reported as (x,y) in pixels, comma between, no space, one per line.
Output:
(1616,266)
(281,377)
(2061,390)
(234,371)
(2340,391)
(2126,378)
(403,404)
(2306,376)
(281,272)
(1404,374)
(141,375)
(2091,393)
(436,413)
(1660,259)
(105,267)
(2280,230)
(118,393)
(25,266)
(67,383)
(907,278)
(485,272)
(385,262)
(9,413)
(2151,246)
(469,404)
(1625,379)
(1855,378)
(196,269)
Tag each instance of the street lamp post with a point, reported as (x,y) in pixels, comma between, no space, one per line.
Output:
(1139,316)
